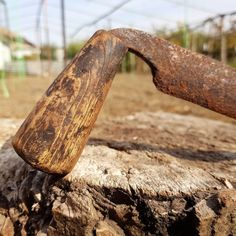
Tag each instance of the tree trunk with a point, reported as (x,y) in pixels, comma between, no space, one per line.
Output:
(145,174)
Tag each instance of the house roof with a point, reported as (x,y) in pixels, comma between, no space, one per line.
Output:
(4,32)
(8,37)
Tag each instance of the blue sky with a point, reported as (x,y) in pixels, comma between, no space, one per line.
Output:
(146,15)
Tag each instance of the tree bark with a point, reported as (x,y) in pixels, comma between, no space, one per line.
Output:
(145,174)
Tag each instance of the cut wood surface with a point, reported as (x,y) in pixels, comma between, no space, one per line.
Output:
(145,174)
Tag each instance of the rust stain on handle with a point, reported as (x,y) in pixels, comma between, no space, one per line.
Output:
(54,134)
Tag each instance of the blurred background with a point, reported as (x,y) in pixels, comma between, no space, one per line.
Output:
(39,37)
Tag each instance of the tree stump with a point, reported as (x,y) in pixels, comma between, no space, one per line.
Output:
(145,174)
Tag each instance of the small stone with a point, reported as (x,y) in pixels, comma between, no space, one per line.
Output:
(38,197)
(228,184)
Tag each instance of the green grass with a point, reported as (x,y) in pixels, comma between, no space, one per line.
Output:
(232,63)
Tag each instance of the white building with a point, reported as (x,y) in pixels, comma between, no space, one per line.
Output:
(24,48)
(20,46)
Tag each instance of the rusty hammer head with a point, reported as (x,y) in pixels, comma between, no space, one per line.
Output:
(54,134)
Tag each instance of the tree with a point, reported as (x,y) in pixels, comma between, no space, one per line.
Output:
(205,43)
(74,48)
(48,52)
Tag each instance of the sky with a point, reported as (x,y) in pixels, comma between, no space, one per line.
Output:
(146,15)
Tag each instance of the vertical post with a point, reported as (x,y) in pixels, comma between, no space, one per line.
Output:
(223,46)
(2,2)
(132,62)
(49,55)
(3,83)
(63,24)
(39,46)
(6,16)
(186,30)
(20,59)
(194,41)
(39,37)
(7,21)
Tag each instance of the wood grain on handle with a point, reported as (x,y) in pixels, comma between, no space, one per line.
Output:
(55,132)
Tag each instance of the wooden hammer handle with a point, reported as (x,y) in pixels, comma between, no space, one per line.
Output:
(55,132)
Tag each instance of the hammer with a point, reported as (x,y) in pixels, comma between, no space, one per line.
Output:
(54,134)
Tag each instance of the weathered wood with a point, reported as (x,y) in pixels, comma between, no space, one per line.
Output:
(54,134)
(146,174)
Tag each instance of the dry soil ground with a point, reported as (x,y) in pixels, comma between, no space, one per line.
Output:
(175,163)
(130,93)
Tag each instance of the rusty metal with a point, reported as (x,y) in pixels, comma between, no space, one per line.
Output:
(185,74)
(56,131)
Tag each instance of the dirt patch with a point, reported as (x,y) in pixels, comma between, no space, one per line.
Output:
(144,174)
(130,93)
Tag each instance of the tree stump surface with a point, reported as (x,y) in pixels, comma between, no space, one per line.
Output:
(145,174)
